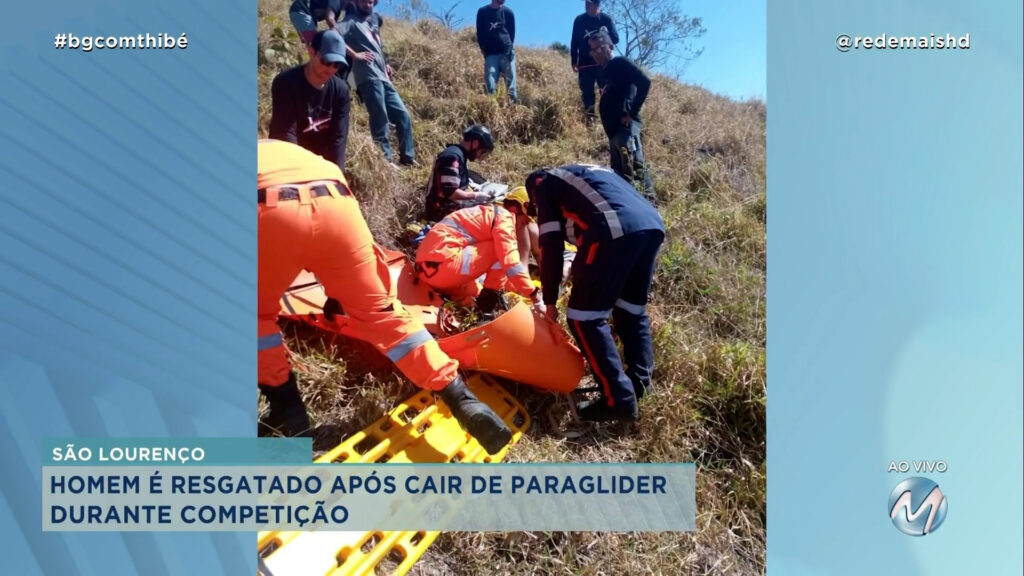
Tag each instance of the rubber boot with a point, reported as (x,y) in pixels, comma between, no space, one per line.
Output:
(476,417)
(486,303)
(287,410)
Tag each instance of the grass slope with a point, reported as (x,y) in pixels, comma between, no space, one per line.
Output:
(707,154)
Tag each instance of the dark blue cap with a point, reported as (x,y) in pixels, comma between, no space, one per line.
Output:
(330,46)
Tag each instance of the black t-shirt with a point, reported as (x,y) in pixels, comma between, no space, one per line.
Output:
(582,28)
(625,92)
(316,119)
(495,30)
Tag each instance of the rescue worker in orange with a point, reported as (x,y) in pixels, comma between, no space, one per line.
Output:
(308,219)
(471,242)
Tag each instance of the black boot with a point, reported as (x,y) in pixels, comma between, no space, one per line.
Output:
(599,411)
(287,410)
(640,391)
(476,417)
(486,302)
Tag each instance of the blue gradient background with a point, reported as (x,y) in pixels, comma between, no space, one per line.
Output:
(127,258)
(894,286)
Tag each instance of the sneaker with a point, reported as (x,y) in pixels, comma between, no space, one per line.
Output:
(407,162)
(599,411)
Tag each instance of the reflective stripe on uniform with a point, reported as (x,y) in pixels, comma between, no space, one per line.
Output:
(570,232)
(458,228)
(407,345)
(450,180)
(269,341)
(602,206)
(467,259)
(517,269)
(548,227)
(635,309)
(584,315)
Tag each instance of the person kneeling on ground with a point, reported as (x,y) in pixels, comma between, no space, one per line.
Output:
(308,219)
(448,188)
(475,241)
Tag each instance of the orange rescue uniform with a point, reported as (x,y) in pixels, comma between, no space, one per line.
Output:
(469,243)
(308,219)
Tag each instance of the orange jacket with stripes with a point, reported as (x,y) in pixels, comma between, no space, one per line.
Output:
(455,236)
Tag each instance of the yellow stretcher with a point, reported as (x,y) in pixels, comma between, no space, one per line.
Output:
(419,430)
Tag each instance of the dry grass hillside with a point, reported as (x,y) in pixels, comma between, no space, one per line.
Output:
(707,155)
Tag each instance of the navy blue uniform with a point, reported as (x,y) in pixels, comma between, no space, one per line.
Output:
(450,173)
(619,234)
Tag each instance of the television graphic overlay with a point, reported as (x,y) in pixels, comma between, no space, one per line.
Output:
(917,506)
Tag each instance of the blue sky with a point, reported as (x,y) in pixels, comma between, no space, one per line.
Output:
(733,62)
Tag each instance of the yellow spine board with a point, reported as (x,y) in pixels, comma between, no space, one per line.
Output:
(418,430)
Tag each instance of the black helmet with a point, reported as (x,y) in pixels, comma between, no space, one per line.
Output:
(481,134)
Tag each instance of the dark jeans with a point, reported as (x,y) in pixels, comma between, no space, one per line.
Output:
(587,78)
(627,158)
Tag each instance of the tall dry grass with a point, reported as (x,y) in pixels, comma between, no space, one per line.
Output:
(707,155)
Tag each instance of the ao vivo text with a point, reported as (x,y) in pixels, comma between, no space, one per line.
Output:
(917,466)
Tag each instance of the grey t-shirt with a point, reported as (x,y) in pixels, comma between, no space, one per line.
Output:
(362,34)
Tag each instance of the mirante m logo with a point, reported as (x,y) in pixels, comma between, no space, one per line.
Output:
(917,507)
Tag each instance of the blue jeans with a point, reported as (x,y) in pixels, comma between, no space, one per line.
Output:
(385,107)
(505,65)
(627,158)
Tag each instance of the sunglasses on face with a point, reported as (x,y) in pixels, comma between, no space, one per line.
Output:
(329,64)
